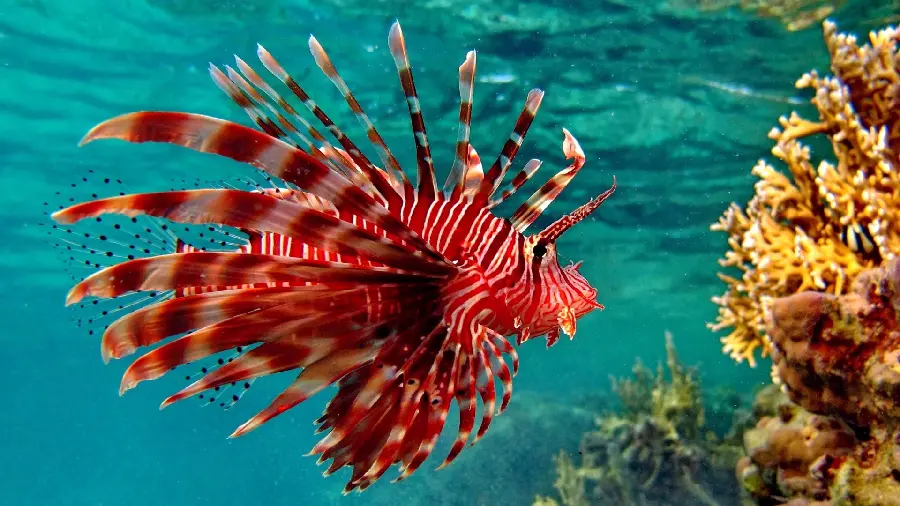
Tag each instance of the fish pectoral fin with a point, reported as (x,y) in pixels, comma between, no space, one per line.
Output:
(552,337)
(523,335)
(567,321)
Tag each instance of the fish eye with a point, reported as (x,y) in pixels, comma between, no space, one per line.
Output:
(539,250)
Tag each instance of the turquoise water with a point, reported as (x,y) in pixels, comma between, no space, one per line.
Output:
(674,102)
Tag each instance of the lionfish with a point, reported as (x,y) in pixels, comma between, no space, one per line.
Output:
(401,295)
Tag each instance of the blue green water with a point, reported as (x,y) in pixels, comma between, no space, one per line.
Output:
(656,93)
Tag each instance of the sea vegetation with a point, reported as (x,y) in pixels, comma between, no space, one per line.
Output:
(817,224)
(655,449)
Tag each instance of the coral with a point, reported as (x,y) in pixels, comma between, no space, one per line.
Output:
(655,450)
(838,358)
(808,246)
(785,445)
(796,458)
(840,355)
(816,227)
(794,15)
(871,476)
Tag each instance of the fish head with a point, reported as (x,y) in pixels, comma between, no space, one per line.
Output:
(561,294)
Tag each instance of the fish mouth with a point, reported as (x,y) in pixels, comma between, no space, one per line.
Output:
(584,302)
(591,304)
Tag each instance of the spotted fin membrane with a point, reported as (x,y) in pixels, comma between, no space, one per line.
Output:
(88,246)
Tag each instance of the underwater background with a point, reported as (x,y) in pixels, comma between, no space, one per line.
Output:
(674,99)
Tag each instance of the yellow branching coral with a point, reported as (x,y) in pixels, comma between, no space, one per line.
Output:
(815,227)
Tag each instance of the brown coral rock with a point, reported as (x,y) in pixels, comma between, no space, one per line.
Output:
(792,453)
(837,356)
(794,446)
(840,355)
(802,501)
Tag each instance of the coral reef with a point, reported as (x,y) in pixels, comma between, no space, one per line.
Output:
(840,355)
(819,289)
(792,14)
(796,458)
(655,450)
(817,226)
(838,358)
(787,447)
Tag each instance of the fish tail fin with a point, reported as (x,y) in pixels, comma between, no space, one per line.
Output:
(261,212)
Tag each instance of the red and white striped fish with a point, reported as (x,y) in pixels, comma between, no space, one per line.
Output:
(401,295)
